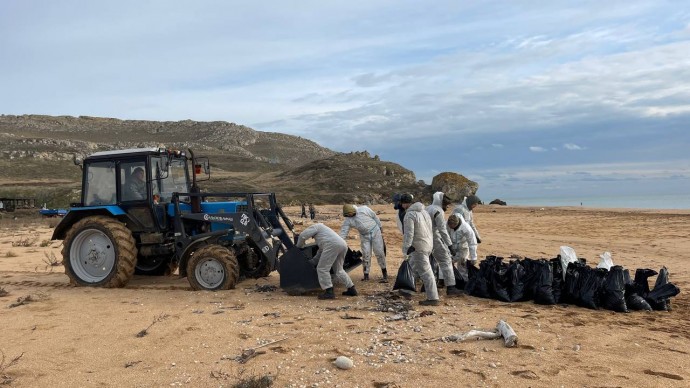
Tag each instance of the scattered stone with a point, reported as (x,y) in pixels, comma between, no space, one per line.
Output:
(343,362)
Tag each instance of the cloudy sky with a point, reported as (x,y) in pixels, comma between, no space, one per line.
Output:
(528,98)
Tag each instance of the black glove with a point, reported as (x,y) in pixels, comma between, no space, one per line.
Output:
(410,250)
(479,241)
(452,251)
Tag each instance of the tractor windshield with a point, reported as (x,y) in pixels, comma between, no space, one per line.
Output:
(174,180)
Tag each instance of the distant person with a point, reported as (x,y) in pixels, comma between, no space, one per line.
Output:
(304,211)
(369,227)
(418,241)
(465,210)
(312,211)
(2,206)
(464,240)
(397,205)
(331,255)
(442,245)
(136,188)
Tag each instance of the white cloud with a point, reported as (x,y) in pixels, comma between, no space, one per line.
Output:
(459,75)
(572,147)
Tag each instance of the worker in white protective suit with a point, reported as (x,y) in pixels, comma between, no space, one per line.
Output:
(464,243)
(443,249)
(331,255)
(418,242)
(465,210)
(369,227)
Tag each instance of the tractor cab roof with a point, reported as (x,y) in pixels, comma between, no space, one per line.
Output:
(134,152)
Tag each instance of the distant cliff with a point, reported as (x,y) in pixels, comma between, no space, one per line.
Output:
(36,154)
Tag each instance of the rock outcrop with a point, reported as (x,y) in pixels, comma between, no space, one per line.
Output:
(454,185)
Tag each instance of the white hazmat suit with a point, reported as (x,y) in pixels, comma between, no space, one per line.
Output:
(464,242)
(368,225)
(441,239)
(467,215)
(331,253)
(419,234)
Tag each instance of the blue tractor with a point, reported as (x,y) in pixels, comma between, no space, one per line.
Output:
(142,212)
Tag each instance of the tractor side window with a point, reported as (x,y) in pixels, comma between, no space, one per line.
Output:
(100,184)
(133,180)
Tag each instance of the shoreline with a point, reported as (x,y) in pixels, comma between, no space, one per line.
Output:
(588,208)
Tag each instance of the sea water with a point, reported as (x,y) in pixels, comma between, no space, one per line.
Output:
(662,201)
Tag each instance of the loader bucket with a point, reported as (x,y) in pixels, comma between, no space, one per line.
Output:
(298,275)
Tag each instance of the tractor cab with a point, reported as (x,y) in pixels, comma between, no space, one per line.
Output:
(139,182)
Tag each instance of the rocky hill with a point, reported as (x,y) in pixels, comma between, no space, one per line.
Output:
(36,154)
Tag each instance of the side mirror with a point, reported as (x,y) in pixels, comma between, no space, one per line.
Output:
(202,167)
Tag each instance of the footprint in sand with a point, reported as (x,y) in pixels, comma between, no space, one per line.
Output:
(525,374)
(663,374)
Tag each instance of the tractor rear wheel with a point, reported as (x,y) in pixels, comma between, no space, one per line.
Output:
(99,251)
(212,268)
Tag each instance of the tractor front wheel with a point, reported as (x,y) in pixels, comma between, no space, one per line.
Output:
(99,251)
(212,268)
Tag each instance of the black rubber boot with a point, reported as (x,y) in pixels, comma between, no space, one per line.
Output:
(453,291)
(352,291)
(385,273)
(366,277)
(429,302)
(327,294)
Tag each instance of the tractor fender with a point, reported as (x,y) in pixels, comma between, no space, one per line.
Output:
(77,214)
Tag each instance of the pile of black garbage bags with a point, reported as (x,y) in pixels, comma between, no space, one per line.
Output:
(545,282)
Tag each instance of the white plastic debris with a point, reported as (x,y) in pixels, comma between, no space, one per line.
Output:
(605,261)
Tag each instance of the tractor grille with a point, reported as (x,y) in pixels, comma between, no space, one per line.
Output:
(242,208)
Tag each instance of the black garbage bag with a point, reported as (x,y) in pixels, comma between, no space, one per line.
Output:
(478,280)
(529,279)
(558,279)
(498,279)
(460,280)
(641,282)
(472,273)
(543,292)
(405,278)
(660,297)
(590,286)
(633,301)
(571,285)
(516,285)
(613,295)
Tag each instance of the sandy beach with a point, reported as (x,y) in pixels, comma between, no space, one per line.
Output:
(157,332)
